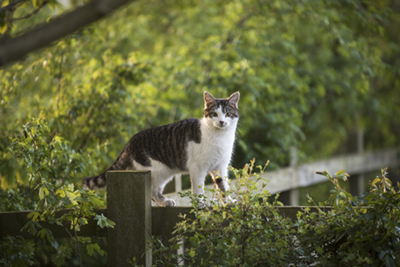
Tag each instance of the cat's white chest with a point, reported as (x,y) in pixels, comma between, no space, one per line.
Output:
(216,146)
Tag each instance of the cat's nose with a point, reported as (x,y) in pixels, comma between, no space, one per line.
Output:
(221,122)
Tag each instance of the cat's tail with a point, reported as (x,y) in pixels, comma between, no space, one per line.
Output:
(121,163)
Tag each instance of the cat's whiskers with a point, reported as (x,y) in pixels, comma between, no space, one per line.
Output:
(238,129)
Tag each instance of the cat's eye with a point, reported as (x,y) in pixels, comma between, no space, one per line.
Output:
(230,115)
(214,114)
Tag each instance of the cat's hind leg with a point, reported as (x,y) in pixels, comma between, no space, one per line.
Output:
(158,183)
(160,199)
(160,176)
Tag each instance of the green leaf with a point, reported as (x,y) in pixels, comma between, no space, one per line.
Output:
(63,252)
(84,240)
(340,172)
(192,253)
(60,192)
(102,221)
(73,196)
(375,181)
(389,261)
(3,27)
(36,3)
(31,227)
(96,201)
(94,247)
(43,192)
(33,215)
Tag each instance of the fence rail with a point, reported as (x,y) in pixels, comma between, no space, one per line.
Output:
(293,177)
(129,206)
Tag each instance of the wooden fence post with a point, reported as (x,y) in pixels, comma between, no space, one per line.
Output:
(129,206)
(294,192)
(291,196)
(357,181)
(178,183)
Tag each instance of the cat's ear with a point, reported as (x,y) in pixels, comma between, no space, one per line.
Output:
(208,98)
(234,99)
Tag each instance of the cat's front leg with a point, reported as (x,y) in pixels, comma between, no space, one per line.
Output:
(220,176)
(197,178)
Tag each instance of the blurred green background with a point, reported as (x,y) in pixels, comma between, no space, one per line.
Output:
(310,74)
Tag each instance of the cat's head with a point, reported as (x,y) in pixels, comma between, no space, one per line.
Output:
(221,113)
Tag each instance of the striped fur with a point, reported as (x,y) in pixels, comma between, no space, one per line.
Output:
(189,146)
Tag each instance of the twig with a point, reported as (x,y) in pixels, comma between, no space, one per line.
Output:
(59,78)
(27,16)
(11,6)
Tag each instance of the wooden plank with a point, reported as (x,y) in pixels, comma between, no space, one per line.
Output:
(291,211)
(165,218)
(11,224)
(305,175)
(129,206)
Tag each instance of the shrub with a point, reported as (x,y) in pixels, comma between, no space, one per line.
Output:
(354,231)
(49,167)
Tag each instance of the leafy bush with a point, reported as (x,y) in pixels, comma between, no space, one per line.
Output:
(353,231)
(47,187)
(358,231)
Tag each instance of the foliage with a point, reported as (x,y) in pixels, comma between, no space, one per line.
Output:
(302,68)
(15,251)
(354,231)
(51,167)
(359,231)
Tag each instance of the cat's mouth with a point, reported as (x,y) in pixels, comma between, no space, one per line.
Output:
(219,126)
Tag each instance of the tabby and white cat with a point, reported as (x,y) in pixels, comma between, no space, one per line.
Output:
(189,146)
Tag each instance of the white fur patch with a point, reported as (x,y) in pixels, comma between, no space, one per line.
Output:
(212,155)
(214,151)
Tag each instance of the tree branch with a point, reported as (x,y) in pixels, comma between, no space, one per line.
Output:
(16,48)
(11,6)
(28,15)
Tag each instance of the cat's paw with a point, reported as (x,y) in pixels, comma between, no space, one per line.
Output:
(168,203)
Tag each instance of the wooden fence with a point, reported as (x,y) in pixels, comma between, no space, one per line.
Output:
(129,206)
(290,179)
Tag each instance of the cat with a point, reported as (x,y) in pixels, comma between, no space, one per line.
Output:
(194,146)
